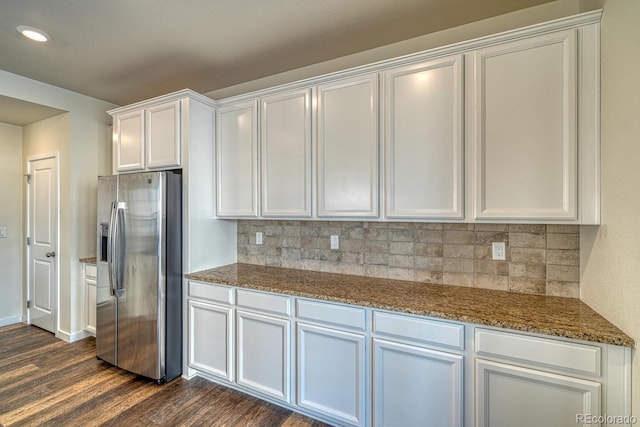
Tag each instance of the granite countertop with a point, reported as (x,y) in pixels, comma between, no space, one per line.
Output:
(557,316)
(90,260)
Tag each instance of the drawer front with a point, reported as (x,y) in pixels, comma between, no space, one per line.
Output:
(211,292)
(268,303)
(333,314)
(90,270)
(565,356)
(425,331)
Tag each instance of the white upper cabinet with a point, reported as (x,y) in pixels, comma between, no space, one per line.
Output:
(424,140)
(163,135)
(128,141)
(347,158)
(525,138)
(237,160)
(285,136)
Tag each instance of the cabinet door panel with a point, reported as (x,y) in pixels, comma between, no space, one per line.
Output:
(129,142)
(163,135)
(237,160)
(348,148)
(90,305)
(414,386)
(525,143)
(423,140)
(331,373)
(513,396)
(210,339)
(286,154)
(263,354)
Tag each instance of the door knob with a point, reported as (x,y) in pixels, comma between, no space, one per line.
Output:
(50,254)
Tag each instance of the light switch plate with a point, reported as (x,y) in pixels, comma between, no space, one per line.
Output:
(259,238)
(498,251)
(3,232)
(335,242)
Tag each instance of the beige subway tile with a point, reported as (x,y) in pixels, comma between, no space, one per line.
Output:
(244,239)
(401,248)
(312,243)
(457,279)
(563,228)
(528,228)
(352,232)
(563,273)
(273,251)
(428,263)
(528,255)
(458,237)
(491,267)
(272,240)
(401,235)
(528,286)
(428,276)
(291,241)
(291,230)
(404,261)
(376,234)
(329,231)
(399,273)
(491,227)
(380,271)
(483,252)
(356,269)
(428,249)
(309,231)
(330,267)
(376,246)
(255,250)
(563,241)
(351,245)
(273,261)
(563,257)
(309,253)
(243,250)
(490,281)
(255,259)
(291,253)
(458,226)
(243,258)
(328,255)
(352,257)
(310,265)
(563,289)
(376,258)
(428,236)
(428,226)
(458,251)
(457,265)
(527,271)
(527,240)
(273,230)
(488,237)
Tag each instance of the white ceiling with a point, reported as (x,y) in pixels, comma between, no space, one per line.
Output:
(125,51)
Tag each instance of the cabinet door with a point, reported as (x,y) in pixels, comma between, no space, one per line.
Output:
(128,140)
(211,339)
(286,154)
(163,135)
(331,373)
(525,143)
(237,160)
(263,354)
(509,396)
(90,305)
(424,140)
(348,148)
(414,386)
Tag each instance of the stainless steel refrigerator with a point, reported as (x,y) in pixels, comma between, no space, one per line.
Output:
(139,298)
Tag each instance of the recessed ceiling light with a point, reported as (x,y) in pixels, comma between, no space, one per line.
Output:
(33,33)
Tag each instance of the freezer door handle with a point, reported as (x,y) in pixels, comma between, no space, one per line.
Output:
(119,238)
(111,249)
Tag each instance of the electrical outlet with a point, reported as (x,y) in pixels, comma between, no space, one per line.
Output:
(259,238)
(335,242)
(498,251)
(3,232)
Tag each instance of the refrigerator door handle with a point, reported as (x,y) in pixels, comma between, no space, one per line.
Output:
(119,250)
(111,249)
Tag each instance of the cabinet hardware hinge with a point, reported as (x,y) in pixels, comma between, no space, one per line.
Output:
(28,178)
(28,304)
(28,241)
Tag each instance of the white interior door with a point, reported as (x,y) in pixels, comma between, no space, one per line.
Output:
(43,240)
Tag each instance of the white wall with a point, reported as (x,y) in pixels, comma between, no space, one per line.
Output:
(11,218)
(610,253)
(84,153)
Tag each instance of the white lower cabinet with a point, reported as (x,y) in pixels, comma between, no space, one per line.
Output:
(508,395)
(90,286)
(263,354)
(331,373)
(211,339)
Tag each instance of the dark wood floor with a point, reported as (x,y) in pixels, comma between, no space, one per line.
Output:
(48,382)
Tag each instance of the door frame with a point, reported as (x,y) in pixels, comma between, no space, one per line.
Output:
(56,316)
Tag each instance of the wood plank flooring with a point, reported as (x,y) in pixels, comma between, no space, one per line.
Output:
(48,382)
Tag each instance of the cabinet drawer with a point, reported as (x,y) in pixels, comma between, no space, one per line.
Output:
(430,332)
(550,353)
(90,270)
(269,303)
(339,315)
(208,291)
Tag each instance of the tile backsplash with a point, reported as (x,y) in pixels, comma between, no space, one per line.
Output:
(540,259)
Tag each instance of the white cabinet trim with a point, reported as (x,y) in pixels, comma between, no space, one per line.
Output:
(155,161)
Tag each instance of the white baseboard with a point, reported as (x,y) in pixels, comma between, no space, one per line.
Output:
(11,320)
(72,337)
